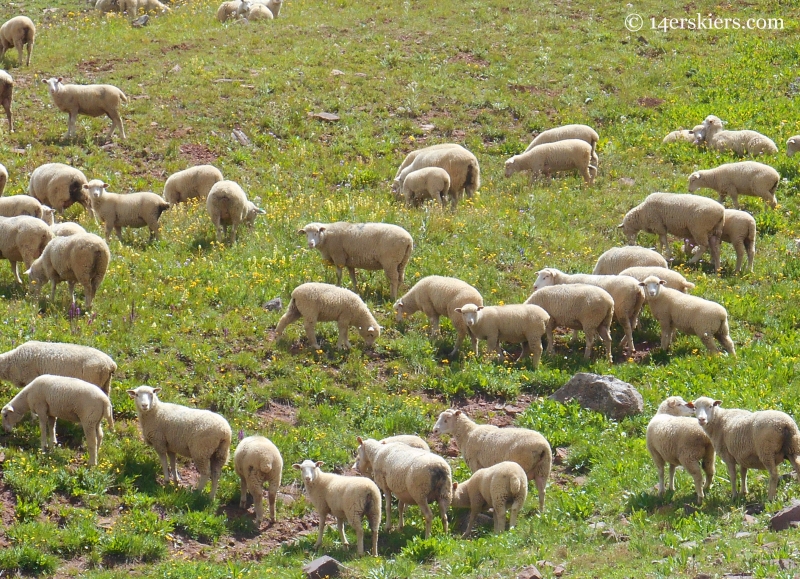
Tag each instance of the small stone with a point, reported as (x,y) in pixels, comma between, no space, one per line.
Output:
(742,535)
(325,116)
(605,394)
(560,455)
(285,498)
(176,68)
(322,567)
(275,304)
(598,525)
(627,181)
(559,571)
(427,127)
(711,538)
(702,576)
(749,520)
(781,520)
(688,545)
(239,135)
(336,72)
(361,74)
(143,20)
(530,572)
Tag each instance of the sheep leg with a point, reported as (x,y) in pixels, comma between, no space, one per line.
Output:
(551,347)
(339,276)
(433,320)
(387,500)
(526,351)
(15,269)
(743,469)
(500,516)
(71,124)
(344,329)
(714,242)
(665,248)
(738,246)
(203,466)
(772,468)
(173,462)
(116,122)
(751,253)
(7,106)
(535,347)
(162,456)
(443,504)
(473,516)
(699,251)
(590,335)
(91,444)
(428,514)
(627,342)
(243,494)
(44,429)
(352,271)
(292,314)
(233,233)
(493,345)
(666,335)
(660,467)
(71,286)
(342,536)
(273,493)
(258,502)
(693,468)
(29,48)
(218,227)
(118,231)
(394,281)
(732,476)
(541,483)
(708,467)
(515,508)
(18,46)
(401,513)
(708,342)
(323,514)
(53,283)
(359,529)
(310,326)
(605,335)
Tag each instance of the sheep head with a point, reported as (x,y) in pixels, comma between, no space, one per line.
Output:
(544,278)
(399,314)
(94,189)
(313,233)
(652,286)
(37,276)
(370,334)
(144,397)
(510,166)
(471,313)
(704,409)
(693,181)
(10,417)
(676,406)
(309,470)
(53,84)
(252,212)
(446,422)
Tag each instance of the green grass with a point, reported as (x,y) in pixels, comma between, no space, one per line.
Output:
(186,314)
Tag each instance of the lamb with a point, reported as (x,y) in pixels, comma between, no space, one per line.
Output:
(59,186)
(321,302)
(792,145)
(6,92)
(81,258)
(131,210)
(580,132)
(105,6)
(510,323)
(257,461)
(674,436)
(738,142)
(369,246)
(438,296)
(734,179)
(683,135)
(485,445)
(497,486)
(567,155)
(134,7)
(760,440)
(430,182)
(690,314)
(3,178)
(425,150)
(254,11)
(65,229)
(460,164)
(683,215)
(32,359)
(616,259)
(226,11)
(628,296)
(577,306)
(191,183)
(22,238)
(52,397)
(172,429)
(413,475)
(228,206)
(672,278)
(407,439)
(25,205)
(93,100)
(348,498)
(18,32)
(740,231)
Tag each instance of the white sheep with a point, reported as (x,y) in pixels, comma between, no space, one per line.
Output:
(32,359)
(52,397)
(740,231)
(172,429)
(192,183)
(59,186)
(105,6)
(792,145)
(18,32)
(65,229)
(132,210)
(580,307)
(93,100)
(411,440)
(417,152)
(254,11)
(274,6)
(23,238)
(25,205)
(675,437)
(6,94)
(683,135)
(228,206)
(370,246)
(742,178)
(567,155)
(321,302)
(485,445)
(347,498)
(438,296)
(430,182)
(134,7)
(739,142)
(684,215)
(564,132)
(226,11)
(616,259)
(3,178)
(675,310)
(257,461)
(497,486)
(81,258)
(460,164)
(674,280)
(760,440)
(413,475)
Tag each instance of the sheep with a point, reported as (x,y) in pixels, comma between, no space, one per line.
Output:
(460,164)
(191,183)
(734,179)
(93,100)
(510,323)
(792,145)
(105,6)
(59,186)
(407,439)
(430,182)
(628,296)
(760,440)
(485,445)
(6,92)
(25,205)
(439,296)
(683,135)
(738,142)
(134,7)
(23,238)
(567,155)
(3,178)
(32,359)
(690,314)
(257,461)
(369,246)
(562,133)
(171,429)
(81,258)
(577,306)
(321,302)
(424,151)
(228,206)
(616,259)
(131,210)
(674,280)
(497,486)
(226,11)
(413,475)
(275,7)
(18,32)
(52,397)
(684,215)
(349,498)
(254,11)
(674,436)
(65,229)
(740,231)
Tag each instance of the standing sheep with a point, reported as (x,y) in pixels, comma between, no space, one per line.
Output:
(740,231)
(411,440)
(792,145)
(742,178)
(567,155)
(6,93)
(192,183)
(423,151)
(257,461)
(23,238)
(105,6)
(93,100)
(738,142)
(65,229)
(430,182)
(131,210)
(134,7)
(674,280)
(228,206)
(3,178)
(18,32)
(564,132)
(460,164)
(59,186)
(226,11)
(25,205)
(497,486)
(616,259)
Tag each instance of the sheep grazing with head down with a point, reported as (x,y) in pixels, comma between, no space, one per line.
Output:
(66,229)
(59,186)
(192,183)
(428,183)
(742,178)
(738,142)
(792,145)
(93,100)
(6,93)
(616,259)
(499,486)
(24,239)
(18,32)
(567,155)
(411,157)
(132,210)
(740,231)
(257,461)
(228,206)
(564,132)
(461,165)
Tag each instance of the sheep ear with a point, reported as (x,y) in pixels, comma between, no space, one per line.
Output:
(455,485)
(8,408)
(44,80)
(360,440)
(105,185)
(792,141)
(132,393)
(28,272)
(480,308)
(260,211)
(319,463)
(297,466)
(321,229)
(457,413)
(641,284)
(717,402)
(60,78)
(156,390)
(619,226)
(662,282)
(690,405)
(458,310)
(301,231)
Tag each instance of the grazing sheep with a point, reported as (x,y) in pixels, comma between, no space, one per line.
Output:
(59,186)
(485,445)
(131,210)
(32,359)
(171,429)
(674,280)
(348,498)
(674,436)
(71,399)
(322,302)
(424,151)
(93,100)
(134,7)
(22,238)
(18,32)
(228,206)
(413,475)
(254,11)
(792,145)
(760,440)
(3,178)
(460,164)
(740,231)
(690,314)
(257,461)
(81,258)
(616,259)
(562,133)
(738,142)
(370,246)
(105,6)
(430,182)
(567,155)
(191,183)
(683,215)
(65,229)
(580,307)
(515,323)
(734,179)
(6,92)
(407,439)
(226,11)
(25,205)
(497,486)
(683,135)
(439,296)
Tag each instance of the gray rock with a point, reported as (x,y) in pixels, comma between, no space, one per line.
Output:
(782,520)
(275,304)
(530,572)
(322,567)
(605,394)
(143,20)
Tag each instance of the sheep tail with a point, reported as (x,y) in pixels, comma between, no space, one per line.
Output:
(122,97)
(162,208)
(473,181)
(791,444)
(775,186)
(440,482)
(514,486)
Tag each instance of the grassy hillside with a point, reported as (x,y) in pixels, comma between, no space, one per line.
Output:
(187,314)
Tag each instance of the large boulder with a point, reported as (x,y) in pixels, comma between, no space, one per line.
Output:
(605,394)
